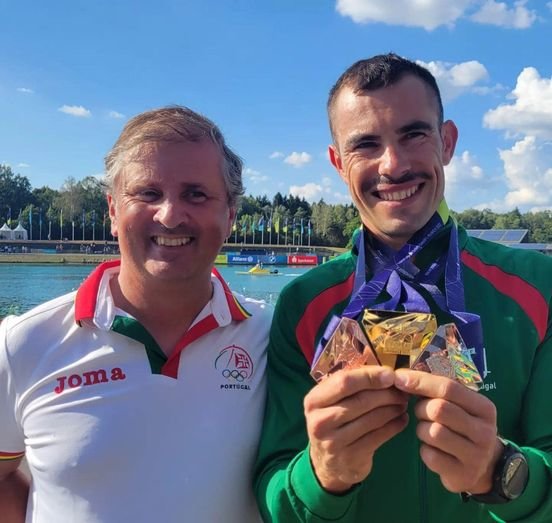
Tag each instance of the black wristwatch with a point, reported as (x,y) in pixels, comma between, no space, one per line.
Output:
(510,477)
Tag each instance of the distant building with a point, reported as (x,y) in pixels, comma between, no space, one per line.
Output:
(516,238)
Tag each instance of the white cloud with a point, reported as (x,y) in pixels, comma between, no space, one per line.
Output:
(23,165)
(116,115)
(527,176)
(463,168)
(428,14)
(498,13)
(25,90)
(312,192)
(75,110)
(298,159)
(254,176)
(456,79)
(528,172)
(276,154)
(487,89)
(339,197)
(464,181)
(549,5)
(531,111)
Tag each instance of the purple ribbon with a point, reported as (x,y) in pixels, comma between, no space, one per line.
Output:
(395,272)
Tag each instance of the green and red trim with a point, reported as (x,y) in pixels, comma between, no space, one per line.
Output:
(317,311)
(11,456)
(85,309)
(528,297)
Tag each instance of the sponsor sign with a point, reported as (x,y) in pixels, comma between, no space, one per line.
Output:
(247,259)
(274,259)
(302,259)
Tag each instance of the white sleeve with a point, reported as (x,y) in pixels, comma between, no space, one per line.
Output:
(12,443)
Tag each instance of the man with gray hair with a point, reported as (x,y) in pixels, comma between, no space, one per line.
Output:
(139,396)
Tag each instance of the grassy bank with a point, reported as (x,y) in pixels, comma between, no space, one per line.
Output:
(56,258)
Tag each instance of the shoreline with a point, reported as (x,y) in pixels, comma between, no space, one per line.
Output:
(59,258)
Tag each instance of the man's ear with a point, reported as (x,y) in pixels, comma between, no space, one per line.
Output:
(449,136)
(231,218)
(112,214)
(335,159)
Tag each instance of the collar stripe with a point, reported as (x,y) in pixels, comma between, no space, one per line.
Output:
(202,327)
(237,310)
(87,294)
(10,456)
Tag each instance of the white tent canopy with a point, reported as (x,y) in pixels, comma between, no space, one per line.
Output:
(6,233)
(19,233)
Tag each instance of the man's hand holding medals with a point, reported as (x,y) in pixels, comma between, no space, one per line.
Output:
(372,360)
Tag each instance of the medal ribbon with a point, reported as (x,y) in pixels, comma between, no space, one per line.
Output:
(395,272)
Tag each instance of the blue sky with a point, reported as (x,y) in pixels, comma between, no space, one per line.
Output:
(72,72)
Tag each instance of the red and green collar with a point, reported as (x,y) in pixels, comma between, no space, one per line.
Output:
(86,301)
(102,313)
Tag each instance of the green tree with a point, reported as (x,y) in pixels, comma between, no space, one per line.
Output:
(15,193)
(509,220)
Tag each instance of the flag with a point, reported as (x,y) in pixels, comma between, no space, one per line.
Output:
(309,228)
(269,225)
(234,227)
(9,215)
(244,225)
(302,229)
(93,218)
(277,225)
(285,227)
(260,225)
(31,216)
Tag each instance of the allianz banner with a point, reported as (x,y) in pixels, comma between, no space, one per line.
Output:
(243,259)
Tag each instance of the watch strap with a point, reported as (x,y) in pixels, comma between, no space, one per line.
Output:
(497,494)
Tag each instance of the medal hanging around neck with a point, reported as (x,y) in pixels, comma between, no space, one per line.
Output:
(411,338)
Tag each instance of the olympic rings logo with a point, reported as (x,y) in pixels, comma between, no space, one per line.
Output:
(238,375)
(235,364)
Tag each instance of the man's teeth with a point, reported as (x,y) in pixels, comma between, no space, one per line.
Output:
(399,195)
(171,242)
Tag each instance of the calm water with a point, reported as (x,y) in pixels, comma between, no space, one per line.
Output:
(24,286)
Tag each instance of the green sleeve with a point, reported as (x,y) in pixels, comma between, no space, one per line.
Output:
(285,485)
(535,504)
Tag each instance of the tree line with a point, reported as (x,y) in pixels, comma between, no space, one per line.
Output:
(78,210)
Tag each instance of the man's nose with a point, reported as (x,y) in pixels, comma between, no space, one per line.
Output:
(170,213)
(394,162)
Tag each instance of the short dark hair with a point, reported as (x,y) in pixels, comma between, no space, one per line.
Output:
(381,71)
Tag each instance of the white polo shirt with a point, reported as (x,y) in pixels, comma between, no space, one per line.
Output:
(114,432)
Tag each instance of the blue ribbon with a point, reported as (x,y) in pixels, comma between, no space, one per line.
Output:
(395,272)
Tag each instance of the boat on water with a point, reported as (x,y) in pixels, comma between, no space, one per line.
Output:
(259,270)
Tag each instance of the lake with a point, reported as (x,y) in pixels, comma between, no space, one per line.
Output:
(25,285)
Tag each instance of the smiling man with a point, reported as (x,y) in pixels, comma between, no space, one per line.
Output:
(139,397)
(397,445)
